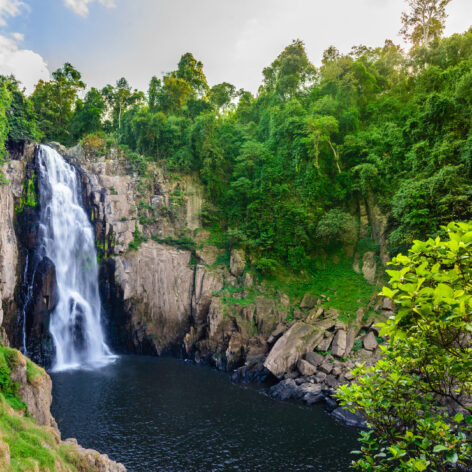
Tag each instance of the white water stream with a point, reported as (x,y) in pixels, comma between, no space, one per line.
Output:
(68,240)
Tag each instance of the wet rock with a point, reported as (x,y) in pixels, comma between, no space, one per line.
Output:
(284,390)
(312,393)
(331,404)
(349,418)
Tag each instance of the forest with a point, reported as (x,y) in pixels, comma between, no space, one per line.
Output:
(282,169)
(284,172)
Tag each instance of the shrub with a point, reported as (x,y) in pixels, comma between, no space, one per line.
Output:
(426,365)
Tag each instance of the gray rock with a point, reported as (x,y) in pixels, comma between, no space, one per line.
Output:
(308,302)
(237,262)
(291,347)
(369,341)
(305,368)
(339,344)
(325,343)
(331,381)
(369,266)
(326,367)
(284,390)
(314,358)
(320,377)
(349,418)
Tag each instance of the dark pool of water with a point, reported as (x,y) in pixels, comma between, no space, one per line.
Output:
(162,414)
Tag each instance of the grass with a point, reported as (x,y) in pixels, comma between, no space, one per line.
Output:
(346,290)
(31,447)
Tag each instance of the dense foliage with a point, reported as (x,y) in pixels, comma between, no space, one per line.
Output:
(283,170)
(417,398)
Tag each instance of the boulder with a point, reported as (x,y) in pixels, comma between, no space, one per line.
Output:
(237,262)
(305,368)
(284,390)
(349,418)
(325,343)
(312,393)
(314,358)
(369,341)
(308,302)
(326,367)
(339,344)
(291,347)
(369,266)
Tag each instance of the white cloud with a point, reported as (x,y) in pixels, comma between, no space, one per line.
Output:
(27,66)
(9,8)
(18,36)
(81,6)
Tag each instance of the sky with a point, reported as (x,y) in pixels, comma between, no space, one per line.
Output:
(235,39)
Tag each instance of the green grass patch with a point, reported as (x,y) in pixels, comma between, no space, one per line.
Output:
(346,290)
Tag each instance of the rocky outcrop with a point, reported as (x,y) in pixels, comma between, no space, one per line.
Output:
(294,344)
(34,389)
(157,283)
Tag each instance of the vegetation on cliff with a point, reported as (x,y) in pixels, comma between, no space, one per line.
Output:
(282,167)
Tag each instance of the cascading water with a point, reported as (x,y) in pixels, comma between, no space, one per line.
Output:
(67,238)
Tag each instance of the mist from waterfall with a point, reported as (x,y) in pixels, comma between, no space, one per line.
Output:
(68,239)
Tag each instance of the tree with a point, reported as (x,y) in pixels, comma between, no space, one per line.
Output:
(120,98)
(53,101)
(319,131)
(425,21)
(21,117)
(154,91)
(291,72)
(191,71)
(88,114)
(5,100)
(418,398)
(221,96)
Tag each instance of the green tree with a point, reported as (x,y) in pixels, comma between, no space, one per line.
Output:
(425,21)
(22,120)
(120,98)
(221,96)
(426,369)
(88,114)
(53,102)
(5,101)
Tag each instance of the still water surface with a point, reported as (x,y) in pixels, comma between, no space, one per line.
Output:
(165,415)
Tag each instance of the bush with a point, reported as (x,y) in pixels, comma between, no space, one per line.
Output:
(336,226)
(426,365)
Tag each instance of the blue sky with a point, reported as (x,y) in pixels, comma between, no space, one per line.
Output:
(235,39)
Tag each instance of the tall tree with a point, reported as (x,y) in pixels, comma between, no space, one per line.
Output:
(120,98)
(88,114)
(424,21)
(53,102)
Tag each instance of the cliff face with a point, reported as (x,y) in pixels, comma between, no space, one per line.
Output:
(14,171)
(161,295)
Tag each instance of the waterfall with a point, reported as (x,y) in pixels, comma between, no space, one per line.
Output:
(67,238)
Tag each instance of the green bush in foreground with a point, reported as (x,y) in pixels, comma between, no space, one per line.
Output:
(418,398)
